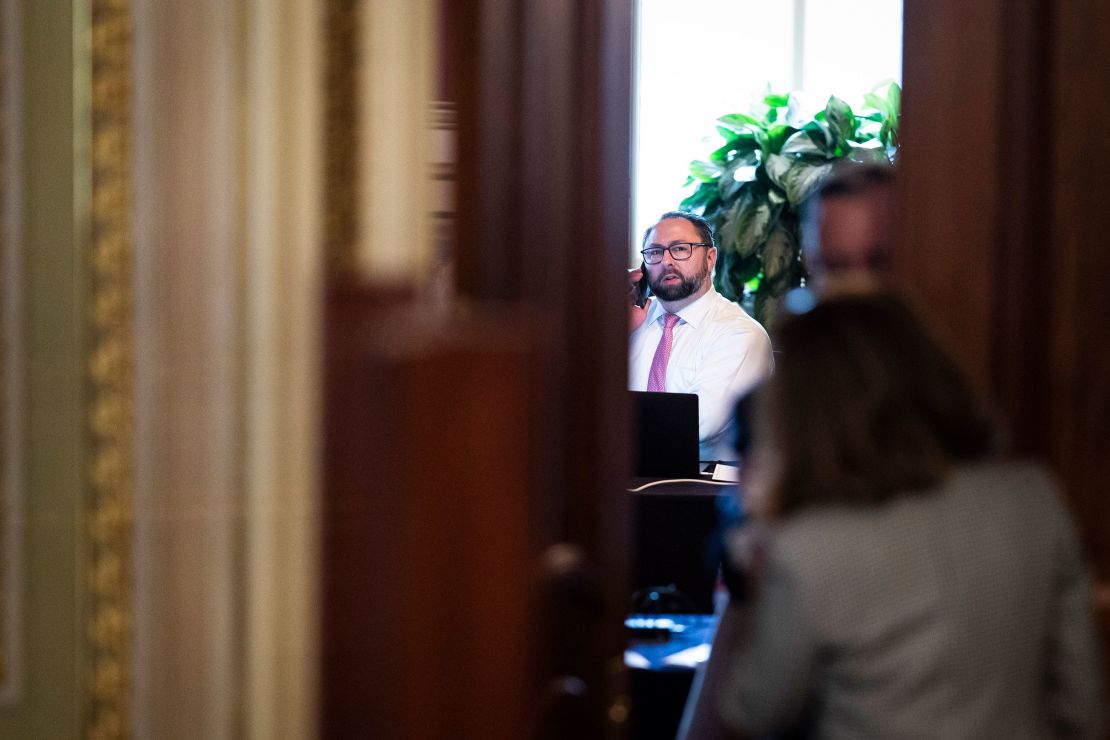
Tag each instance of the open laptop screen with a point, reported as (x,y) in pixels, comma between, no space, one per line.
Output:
(665,434)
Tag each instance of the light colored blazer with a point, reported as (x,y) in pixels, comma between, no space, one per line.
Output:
(964,613)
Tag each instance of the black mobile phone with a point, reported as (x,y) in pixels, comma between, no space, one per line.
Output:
(641,291)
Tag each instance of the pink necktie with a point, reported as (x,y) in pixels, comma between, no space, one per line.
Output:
(657,376)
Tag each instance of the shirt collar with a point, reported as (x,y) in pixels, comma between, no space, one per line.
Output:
(692,314)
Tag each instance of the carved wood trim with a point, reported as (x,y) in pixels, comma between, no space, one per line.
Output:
(11,362)
(342,41)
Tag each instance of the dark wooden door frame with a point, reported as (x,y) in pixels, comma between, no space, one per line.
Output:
(544,102)
(1005,224)
(541,230)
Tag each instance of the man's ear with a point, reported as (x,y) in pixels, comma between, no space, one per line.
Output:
(711,257)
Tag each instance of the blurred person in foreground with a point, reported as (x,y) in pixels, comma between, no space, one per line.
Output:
(910,583)
(848,227)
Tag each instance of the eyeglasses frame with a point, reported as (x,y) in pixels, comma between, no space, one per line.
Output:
(667,249)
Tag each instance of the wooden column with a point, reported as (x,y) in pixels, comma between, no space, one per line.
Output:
(427,609)
(544,100)
(1006,181)
(1073,294)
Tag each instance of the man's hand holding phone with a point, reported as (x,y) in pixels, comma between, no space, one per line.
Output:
(639,297)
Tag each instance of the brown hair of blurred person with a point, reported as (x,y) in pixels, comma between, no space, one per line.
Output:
(865,405)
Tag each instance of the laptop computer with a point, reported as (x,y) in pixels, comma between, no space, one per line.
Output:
(665,435)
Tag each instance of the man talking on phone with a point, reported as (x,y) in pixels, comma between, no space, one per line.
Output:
(688,338)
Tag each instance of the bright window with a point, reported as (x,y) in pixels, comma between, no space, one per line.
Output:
(699,59)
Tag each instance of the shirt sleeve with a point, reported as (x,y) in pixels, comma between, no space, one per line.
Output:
(737,361)
(1073,683)
(769,681)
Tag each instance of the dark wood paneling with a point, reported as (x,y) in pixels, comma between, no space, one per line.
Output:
(1005,184)
(1004,193)
(543,221)
(427,532)
(1019,363)
(487,71)
(976,186)
(1077,248)
(950,166)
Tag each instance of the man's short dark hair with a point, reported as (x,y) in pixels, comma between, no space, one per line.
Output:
(853,178)
(847,180)
(705,230)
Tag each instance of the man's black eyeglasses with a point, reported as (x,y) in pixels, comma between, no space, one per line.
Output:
(680,251)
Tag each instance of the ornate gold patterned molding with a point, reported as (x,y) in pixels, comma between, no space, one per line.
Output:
(341,181)
(110,372)
(444,129)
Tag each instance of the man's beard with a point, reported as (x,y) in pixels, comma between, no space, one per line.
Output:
(677,291)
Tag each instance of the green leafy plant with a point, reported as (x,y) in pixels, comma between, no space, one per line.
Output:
(750,188)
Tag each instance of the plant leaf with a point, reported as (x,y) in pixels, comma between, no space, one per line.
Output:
(703,197)
(773,100)
(766,305)
(819,134)
(705,171)
(746,268)
(779,253)
(746,223)
(740,146)
(739,271)
(794,115)
(894,98)
(777,136)
(735,174)
(727,185)
(878,103)
(712,210)
(875,154)
(720,273)
(802,143)
(802,178)
(751,186)
(777,166)
(869,128)
(721,155)
(841,121)
(740,122)
(796,176)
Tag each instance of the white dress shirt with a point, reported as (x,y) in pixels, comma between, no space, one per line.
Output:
(717,352)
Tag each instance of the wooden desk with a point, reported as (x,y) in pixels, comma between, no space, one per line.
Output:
(676,538)
(659,676)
